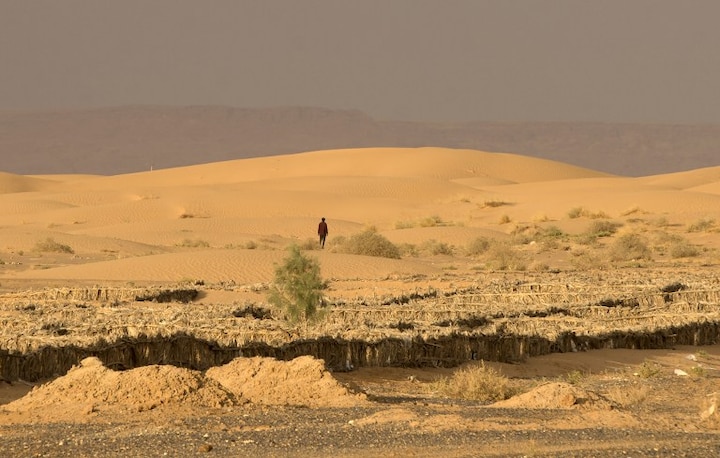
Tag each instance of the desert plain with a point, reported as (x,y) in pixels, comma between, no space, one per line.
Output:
(477,304)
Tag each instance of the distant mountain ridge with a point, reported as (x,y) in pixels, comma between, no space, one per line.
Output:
(118,140)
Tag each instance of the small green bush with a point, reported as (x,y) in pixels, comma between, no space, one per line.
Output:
(297,288)
(370,243)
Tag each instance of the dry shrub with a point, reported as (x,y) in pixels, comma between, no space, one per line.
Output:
(681,248)
(578,212)
(495,203)
(586,260)
(370,243)
(49,245)
(632,210)
(476,382)
(409,249)
(310,244)
(660,222)
(478,246)
(502,256)
(504,219)
(575,212)
(431,221)
(702,225)
(648,369)
(404,225)
(630,247)
(602,228)
(625,396)
(196,243)
(436,248)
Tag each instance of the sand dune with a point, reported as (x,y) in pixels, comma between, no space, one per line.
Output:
(684,180)
(11,183)
(239,266)
(197,221)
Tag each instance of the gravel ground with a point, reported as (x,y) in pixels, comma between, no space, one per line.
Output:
(285,432)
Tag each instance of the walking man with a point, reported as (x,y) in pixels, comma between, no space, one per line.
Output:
(322,232)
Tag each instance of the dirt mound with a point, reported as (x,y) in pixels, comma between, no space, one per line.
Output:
(556,395)
(304,381)
(91,387)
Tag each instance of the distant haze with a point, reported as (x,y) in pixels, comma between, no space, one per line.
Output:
(130,139)
(646,61)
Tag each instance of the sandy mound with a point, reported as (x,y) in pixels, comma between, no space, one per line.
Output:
(303,381)
(556,395)
(92,387)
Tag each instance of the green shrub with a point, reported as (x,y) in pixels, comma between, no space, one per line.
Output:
(297,288)
(370,243)
(49,245)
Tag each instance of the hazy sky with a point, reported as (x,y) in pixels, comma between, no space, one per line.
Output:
(445,60)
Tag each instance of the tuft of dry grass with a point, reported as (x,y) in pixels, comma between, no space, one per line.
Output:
(476,382)
(628,396)
(580,212)
(194,243)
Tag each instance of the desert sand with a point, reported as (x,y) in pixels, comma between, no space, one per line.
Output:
(597,297)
